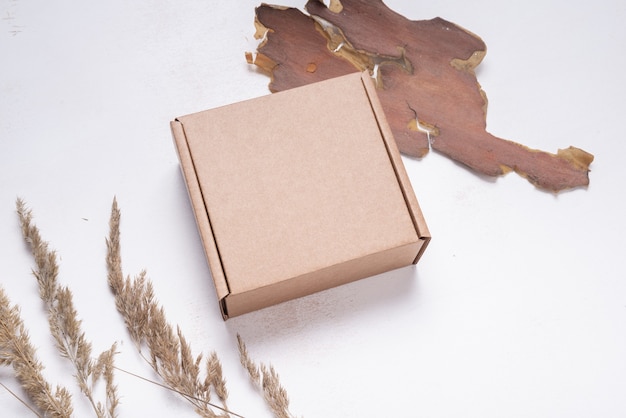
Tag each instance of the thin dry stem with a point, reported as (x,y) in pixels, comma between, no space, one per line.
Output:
(63,320)
(16,350)
(173,390)
(22,401)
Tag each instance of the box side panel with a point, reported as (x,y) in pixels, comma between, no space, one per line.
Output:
(396,160)
(306,284)
(202,218)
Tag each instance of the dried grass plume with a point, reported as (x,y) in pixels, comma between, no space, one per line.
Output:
(65,326)
(17,351)
(169,352)
(197,378)
(266,379)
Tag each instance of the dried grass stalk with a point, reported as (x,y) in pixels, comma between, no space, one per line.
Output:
(267,380)
(65,326)
(169,353)
(17,351)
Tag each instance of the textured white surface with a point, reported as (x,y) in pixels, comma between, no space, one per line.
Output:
(517,309)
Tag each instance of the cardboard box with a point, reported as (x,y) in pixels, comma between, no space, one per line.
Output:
(297,192)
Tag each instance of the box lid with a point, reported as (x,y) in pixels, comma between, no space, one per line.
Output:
(298,191)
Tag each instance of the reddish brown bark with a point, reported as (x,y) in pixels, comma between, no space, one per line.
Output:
(425,74)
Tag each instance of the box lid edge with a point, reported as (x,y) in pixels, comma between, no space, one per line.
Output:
(394,155)
(200,212)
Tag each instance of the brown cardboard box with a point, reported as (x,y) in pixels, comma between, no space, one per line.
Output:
(297,192)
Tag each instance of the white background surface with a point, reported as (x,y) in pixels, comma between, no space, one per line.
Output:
(517,309)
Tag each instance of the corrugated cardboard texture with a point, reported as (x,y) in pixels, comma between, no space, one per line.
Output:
(297,192)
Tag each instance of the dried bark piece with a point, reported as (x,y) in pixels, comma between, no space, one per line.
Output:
(425,74)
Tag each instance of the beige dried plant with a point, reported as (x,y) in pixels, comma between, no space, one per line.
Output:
(163,347)
(64,324)
(266,379)
(169,353)
(17,351)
